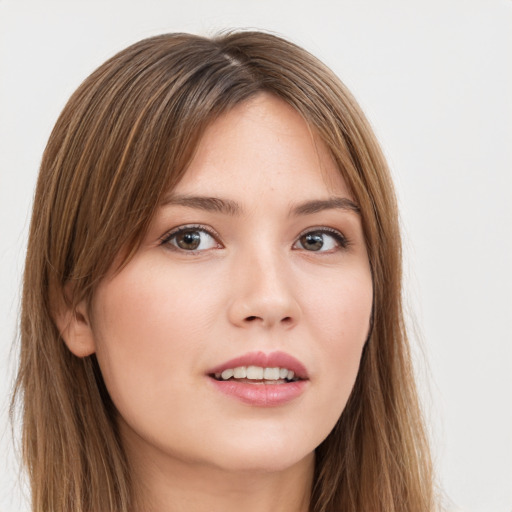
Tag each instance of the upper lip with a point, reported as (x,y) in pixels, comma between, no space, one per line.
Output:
(270,360)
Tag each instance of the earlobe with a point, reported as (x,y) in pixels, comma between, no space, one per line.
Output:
(75,329)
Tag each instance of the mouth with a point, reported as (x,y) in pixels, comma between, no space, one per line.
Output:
(253,367)
(257,375)
(260,379)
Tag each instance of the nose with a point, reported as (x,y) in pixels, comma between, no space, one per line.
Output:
(264,293)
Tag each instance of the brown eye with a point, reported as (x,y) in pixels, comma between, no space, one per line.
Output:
(190,239)
(312,241)
(323,240)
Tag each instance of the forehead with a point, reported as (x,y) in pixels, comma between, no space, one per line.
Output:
(262,146)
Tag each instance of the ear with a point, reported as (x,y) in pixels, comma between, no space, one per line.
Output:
(75,328)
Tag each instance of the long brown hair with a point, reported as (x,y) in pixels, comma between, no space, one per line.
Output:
(124,139)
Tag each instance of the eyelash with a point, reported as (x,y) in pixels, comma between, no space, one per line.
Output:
(341,240)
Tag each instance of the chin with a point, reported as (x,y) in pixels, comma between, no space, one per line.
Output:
(263,455)
(269,462)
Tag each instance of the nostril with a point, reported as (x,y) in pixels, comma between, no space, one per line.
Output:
(285,320)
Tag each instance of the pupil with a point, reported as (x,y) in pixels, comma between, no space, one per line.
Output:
(189,240)
(312,241)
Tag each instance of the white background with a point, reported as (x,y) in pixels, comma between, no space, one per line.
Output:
(435,79)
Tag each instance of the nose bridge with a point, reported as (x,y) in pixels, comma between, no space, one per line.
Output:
(264,289)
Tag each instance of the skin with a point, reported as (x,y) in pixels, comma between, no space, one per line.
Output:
(172,314)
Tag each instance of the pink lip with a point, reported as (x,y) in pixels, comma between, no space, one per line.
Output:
(262,394)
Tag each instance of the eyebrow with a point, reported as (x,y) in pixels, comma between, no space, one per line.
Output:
(318,205)
(209,204)
(230,207)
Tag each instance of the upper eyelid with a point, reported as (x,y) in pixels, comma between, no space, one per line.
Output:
(186,227)
(323,229)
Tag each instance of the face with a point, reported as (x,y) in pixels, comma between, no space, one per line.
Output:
(233,337)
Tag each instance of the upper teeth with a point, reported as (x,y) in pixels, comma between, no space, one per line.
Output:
(256,373)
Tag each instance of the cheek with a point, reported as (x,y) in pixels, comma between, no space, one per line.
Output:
(148,305)
(340,310)
(340,317)
(147,333)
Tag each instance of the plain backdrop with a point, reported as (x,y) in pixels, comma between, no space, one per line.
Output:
(434,78)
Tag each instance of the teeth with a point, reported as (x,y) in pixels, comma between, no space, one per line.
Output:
(271,373)
(227,374)
(240,372)
(256,373)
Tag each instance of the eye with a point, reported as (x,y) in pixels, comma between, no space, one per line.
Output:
(190,238)
(321,240)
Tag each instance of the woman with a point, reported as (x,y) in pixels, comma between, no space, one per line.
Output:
(212,299)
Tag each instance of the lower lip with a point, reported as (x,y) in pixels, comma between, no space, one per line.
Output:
(261,395)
